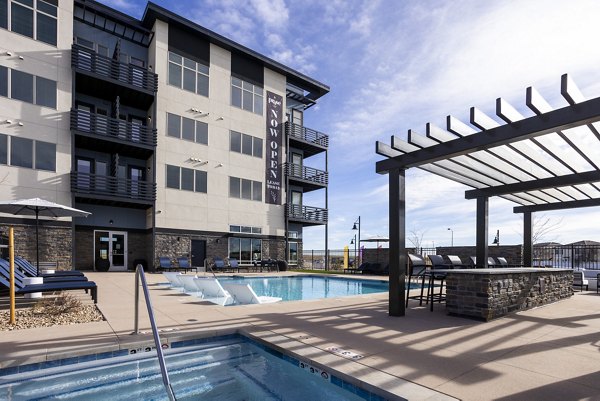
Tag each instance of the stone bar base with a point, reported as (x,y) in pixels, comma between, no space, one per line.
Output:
(487,294)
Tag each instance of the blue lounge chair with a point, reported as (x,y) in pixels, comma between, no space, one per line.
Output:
(219,264)
(20,276)
(233,264)
(165,263)
(20,288)
(184,263)
(31,271)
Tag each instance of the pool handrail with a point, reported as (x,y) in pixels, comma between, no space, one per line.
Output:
(139,275)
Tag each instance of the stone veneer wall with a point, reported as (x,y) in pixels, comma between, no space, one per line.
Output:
(55,242)
(489,296)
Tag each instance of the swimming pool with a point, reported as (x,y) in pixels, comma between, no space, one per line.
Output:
(234,368)
(294,288)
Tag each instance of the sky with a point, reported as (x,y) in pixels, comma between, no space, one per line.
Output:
(396,65)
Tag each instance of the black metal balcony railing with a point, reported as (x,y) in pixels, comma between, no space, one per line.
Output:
(113,128)
(306,134)
(103,185)
(87,60)
(307,213)
(307,173)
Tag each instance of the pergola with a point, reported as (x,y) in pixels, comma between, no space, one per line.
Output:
(548,161)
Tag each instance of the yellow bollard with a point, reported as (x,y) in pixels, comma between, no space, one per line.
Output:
(346,257)
(11,259)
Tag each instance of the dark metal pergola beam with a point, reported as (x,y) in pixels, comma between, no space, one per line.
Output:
(561,119)
(534,185)
(557,206)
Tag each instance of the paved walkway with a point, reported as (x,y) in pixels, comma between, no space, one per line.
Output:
(549,353)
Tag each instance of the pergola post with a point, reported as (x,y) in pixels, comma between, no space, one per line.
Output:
(527,239)
(481,246)
(397,254)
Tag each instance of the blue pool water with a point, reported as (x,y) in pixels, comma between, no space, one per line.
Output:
(294,288)
(228,370)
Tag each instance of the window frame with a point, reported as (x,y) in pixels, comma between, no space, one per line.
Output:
(198,137)
(48,11)
(247,89)
(200,70)
(255,193)
(256,144)
(195,174)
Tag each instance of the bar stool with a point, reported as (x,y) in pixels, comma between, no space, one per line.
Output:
(437,263)
(417,268)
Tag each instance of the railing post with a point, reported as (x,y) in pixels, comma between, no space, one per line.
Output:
(137,303)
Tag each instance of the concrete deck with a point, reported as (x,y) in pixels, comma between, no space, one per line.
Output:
(549,353)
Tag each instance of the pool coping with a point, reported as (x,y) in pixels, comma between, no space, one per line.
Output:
(373,381)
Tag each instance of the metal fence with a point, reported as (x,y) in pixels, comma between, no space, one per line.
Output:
(568,256)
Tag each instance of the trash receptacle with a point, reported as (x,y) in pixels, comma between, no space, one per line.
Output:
(282,265)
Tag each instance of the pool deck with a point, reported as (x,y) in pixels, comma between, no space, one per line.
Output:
(549,353)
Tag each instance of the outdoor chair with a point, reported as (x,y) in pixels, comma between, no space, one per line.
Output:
(233,264)
(472,262)
(218,265)
(502,261)
(244,294)
(437,263)
(21,288)
(174,279)
(165,263)
(456,262)
(579,280)
(492,263)
(20,276)
(417,268)
(31,271)
(184,263)
(212,291)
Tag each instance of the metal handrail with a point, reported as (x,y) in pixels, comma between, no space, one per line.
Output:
(208,266)
(139,274)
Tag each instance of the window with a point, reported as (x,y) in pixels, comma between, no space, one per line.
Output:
(245,189)
(37,20)
(246,96)
(186,179)
(45,92)
(245,229)
(3,149)
(21,152)
(22,87)
(245,144)
(186,128)
(293,256)
(245,249)
(187,74)
(45,156)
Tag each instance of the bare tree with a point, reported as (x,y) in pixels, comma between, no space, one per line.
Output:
(543,227)
(415,237)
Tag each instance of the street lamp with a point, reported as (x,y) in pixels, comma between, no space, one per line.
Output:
(353,241)
(356,226)
(452,237)
(497,238)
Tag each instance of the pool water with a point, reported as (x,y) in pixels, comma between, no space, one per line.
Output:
(227,370)
(294,288)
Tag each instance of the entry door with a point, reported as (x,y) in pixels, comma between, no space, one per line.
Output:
(198,252)
(118,251)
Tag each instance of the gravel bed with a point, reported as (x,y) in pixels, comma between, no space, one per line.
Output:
(27,319)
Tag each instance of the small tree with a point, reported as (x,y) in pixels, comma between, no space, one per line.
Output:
(415,237)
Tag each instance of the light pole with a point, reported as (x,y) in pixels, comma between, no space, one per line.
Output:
(353,241)
(451,237)
(356,226)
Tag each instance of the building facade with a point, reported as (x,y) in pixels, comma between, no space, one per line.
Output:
(180,142)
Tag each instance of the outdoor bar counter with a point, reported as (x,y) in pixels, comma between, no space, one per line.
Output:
(486,294)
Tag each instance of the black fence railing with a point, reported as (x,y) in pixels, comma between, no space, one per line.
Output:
(568,256)
(85,59)
(103,185)
(306,213)
(306,134)
(306,173)
(84,121)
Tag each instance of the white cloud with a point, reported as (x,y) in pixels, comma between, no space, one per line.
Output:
(272,13)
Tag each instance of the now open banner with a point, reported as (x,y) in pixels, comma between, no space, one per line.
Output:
(273,173)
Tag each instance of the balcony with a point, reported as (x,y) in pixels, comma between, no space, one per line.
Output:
(123,136)
(307,215)
(310,141)
(308,178)
(103,189)
(135,84)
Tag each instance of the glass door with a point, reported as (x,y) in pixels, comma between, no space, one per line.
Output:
(110,250)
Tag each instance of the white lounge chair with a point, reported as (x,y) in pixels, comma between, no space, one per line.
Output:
(188,283)
(173,278)
(212,291)
(579,280)
(244,294)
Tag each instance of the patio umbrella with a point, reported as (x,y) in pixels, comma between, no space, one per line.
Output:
(39,207)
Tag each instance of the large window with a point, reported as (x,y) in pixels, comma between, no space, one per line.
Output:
(187,74)
(186,179)
(245,250)
(27,153)
(45,156)
(186,128)
(245,189)
(3,149)
(293,255)
(35,19)
(245,229)
(245,144)
(21,152)
(28,88)
(246,96)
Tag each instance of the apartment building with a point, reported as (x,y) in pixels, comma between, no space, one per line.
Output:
(179,141)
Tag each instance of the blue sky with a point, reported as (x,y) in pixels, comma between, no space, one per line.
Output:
(396,65)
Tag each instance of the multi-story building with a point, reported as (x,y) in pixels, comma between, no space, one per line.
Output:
(179,141)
